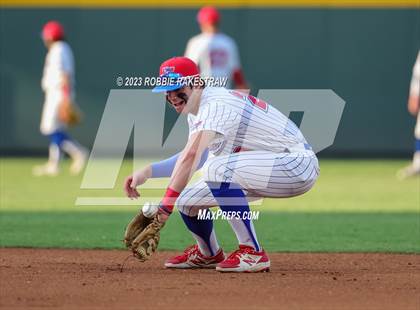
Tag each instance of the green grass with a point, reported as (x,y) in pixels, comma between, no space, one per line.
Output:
(357,205)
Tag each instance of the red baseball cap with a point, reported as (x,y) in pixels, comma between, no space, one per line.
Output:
(53,30)
(174,69)
(208,15)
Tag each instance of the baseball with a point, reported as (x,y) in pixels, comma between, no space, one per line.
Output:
(149,209)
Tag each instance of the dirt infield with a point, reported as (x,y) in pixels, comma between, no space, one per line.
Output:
(92,278)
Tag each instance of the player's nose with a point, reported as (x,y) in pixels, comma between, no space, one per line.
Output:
(171,94)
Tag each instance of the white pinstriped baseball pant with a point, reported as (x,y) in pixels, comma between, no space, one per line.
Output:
(259,173)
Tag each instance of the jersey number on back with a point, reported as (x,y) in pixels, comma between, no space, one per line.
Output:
(259,103)
(218,58)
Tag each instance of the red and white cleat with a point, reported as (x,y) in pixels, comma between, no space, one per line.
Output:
(193,258)
(245,259)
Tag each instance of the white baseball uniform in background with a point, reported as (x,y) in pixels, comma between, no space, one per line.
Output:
(216,55)
(414,168)
(58,63)
(59,60)
(415,91)
(256,146)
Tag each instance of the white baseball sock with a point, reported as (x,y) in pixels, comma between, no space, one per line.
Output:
(54,156)
(72,148)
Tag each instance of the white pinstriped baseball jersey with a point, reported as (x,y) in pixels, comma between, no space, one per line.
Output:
(243,121)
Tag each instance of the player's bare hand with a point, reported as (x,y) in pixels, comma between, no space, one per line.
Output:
(132,182)
(130,191)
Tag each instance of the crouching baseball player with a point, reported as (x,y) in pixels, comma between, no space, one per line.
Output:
(255,152)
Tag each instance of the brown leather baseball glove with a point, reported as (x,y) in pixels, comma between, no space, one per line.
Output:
(69,113)
(142,236)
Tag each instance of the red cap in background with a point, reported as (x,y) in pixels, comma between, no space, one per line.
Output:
(208,15)
(53,30)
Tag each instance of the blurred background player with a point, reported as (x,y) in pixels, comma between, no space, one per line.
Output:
(414,109)
(214,52)
(58,85)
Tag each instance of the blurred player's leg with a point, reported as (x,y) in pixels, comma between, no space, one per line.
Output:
(77,153)
(416,157)
(61,142)
(51,168)
(54,155)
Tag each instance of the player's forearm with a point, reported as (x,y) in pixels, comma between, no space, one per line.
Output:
(66,85)
(184,169)
(187,163)
(148,171)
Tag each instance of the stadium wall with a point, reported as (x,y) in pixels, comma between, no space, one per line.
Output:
(365,55)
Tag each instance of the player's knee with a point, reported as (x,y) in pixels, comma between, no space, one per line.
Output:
(213,172)
(206,172)
(180,204)
(183,204)
(187,210)
(182,209)
(190,204)
(58,137)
